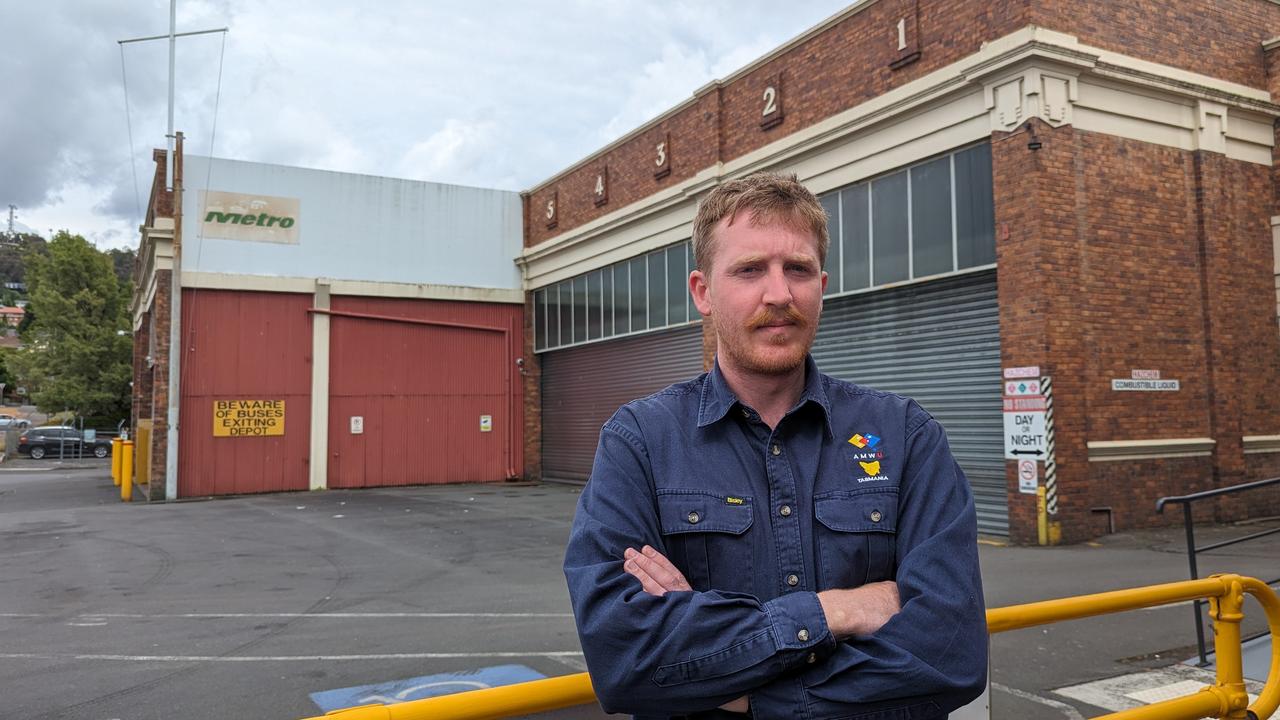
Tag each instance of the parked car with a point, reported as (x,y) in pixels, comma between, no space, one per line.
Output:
(8,421)
(61,441)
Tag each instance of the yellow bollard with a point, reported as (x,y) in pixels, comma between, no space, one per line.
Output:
(115,460)
(1042,517)
(126,470)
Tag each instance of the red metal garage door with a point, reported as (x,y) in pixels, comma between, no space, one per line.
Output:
(421,391)
(244,346)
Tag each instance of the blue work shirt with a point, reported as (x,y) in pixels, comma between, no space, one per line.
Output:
(853,486)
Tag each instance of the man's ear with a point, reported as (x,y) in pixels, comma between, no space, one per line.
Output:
(700,291)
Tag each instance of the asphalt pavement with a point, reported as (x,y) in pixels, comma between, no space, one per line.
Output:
(250,606)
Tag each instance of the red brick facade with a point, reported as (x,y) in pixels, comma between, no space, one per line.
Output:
(1117,255)
(1113,254)
(849,63)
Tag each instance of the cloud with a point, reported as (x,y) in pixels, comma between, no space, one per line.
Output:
(502,94)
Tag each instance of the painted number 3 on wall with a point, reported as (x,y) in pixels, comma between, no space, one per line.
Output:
(662,155)
(770,100)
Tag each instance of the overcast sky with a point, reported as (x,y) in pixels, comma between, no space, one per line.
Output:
(492,93)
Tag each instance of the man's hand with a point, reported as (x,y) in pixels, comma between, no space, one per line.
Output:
(654,571)
(658,576)
(860,611)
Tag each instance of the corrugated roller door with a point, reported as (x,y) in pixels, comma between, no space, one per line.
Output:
(939,343)
(583,386)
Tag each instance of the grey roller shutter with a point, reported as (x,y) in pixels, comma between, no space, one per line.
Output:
(583,386)
(939,343)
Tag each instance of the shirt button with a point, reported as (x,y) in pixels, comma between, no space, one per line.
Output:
(813,658)
(793,580)
(785,511)
(776,450)
(875,516)
(746,413)
(803,635)
(693,518)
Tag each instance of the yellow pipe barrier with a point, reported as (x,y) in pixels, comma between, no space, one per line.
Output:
(489,704)
(1226,699)
(115,460)
(126,470)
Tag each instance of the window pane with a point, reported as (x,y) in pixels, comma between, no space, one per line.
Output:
(931,217)
(889,228)
(975,208)
(855,249)
(677,289)
(831,203)
(639,295)
(606,295)
(657,289)
(593,305)
(566,314)
(621,298)
(540,319)
(580,309)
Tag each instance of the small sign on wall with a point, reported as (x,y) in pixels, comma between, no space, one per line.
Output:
(357,424)
(1028,476)
(486,423)
(1121,384)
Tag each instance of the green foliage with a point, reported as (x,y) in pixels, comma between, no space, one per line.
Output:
(13,253)
(122,261)
(75,356)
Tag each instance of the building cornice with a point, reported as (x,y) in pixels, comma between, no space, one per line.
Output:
(1116,450)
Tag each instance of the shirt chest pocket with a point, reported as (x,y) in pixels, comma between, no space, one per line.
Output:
(706,538)
(856,537)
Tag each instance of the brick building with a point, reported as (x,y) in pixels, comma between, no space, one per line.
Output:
(1089,188)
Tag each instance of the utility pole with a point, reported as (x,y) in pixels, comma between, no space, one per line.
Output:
(175,296)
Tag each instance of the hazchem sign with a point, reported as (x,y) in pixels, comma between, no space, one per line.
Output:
(248,418)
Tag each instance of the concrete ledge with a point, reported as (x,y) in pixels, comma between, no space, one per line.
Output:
(1113,450)
(1257,444)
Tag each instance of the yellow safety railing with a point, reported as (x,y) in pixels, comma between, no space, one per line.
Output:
(1225,699)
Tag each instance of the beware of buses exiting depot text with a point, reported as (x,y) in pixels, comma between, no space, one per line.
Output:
(244,418)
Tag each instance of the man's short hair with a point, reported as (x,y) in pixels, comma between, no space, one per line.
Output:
(771,198)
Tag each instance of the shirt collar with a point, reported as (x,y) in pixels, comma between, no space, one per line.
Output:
(718,399)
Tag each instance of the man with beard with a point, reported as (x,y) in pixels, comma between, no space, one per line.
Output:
(766,539)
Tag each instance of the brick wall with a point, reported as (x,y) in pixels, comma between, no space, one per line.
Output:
(1117,255)
(532,380)
(850,63)
(1222,39)
(831,72)
(160,384)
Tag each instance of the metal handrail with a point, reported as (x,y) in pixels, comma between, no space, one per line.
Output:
(1192,550)
(1225,699)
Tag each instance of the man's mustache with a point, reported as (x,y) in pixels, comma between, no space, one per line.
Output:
(788,315)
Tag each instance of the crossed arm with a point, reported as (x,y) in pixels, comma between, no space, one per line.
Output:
(857,611)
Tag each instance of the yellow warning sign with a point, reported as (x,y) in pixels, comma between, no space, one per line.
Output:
(247,418)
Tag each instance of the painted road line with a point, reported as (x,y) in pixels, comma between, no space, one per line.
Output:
(287,658)
(318,616)
(1067,711)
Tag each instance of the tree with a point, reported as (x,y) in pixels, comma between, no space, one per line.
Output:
(78,351)
(122,261)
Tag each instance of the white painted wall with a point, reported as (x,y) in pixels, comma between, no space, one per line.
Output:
(360,227)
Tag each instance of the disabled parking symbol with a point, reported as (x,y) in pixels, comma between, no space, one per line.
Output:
(427,686)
